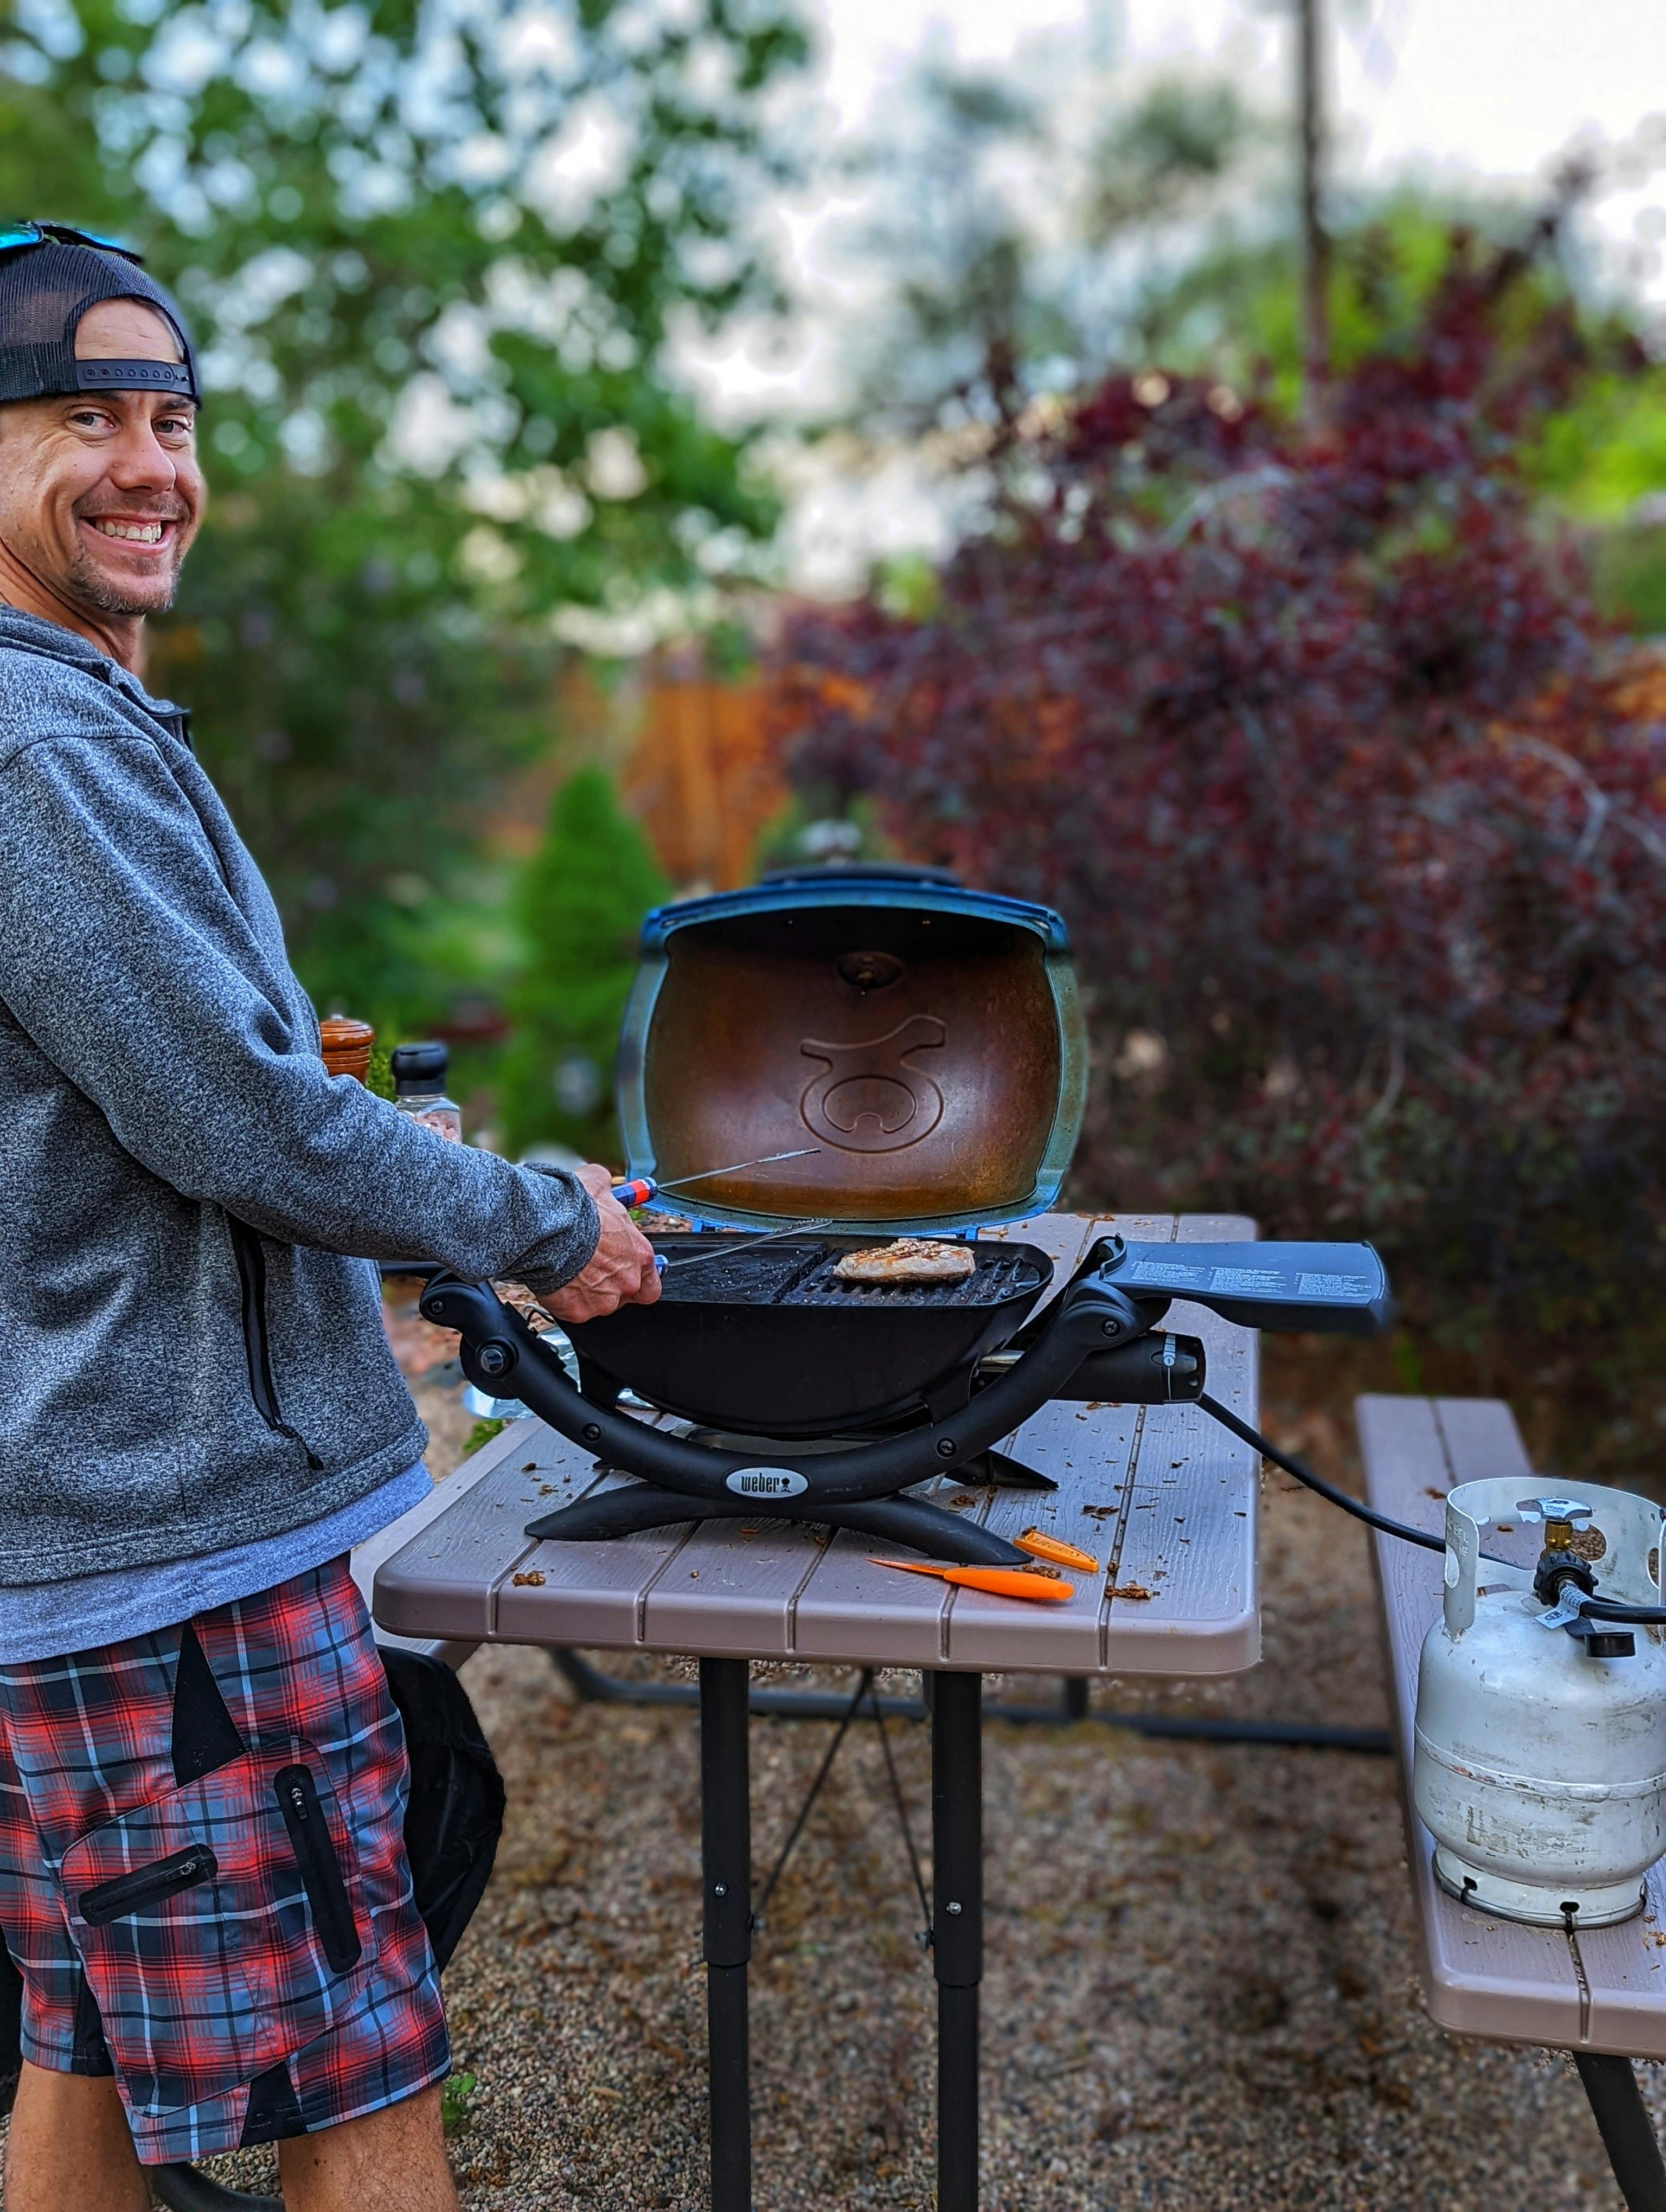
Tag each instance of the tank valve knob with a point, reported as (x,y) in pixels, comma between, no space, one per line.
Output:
(1563,1514)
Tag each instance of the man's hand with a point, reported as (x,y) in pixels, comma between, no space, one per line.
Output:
(620,1272)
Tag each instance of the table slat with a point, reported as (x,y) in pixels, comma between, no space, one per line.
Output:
(443,1581)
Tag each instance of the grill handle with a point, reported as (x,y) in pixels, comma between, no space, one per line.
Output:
(503,1357)
(1156,1369)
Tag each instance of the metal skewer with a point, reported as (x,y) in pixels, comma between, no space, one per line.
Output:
(739,1168)
(751,1244)
(639,1189)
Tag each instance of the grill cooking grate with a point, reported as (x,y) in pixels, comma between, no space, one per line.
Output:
(802,1275)
(740,1278)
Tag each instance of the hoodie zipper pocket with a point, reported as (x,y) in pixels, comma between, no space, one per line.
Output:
(147,1885)
(251,1280)
(321,1869)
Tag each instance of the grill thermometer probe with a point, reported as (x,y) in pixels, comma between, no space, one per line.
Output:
(641,1188)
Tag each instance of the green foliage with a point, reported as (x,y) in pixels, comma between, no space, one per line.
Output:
(477,1440)
(431,254)
(1234,309)
(1156,161)
(580,903)
(1630,576)
(455,2097)
(1599,457)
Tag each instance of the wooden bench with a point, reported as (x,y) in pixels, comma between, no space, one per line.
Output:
(1599,1994)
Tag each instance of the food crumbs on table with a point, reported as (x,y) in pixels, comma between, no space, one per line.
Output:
(534,1581)
(531,1467)
(1098,1512)
(694,1574)
(1128,1590)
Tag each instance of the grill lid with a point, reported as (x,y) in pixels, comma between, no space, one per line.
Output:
(928,1038)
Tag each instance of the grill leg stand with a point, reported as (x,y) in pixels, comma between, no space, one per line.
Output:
(1623,2120)
(957,1927)
(725,1857)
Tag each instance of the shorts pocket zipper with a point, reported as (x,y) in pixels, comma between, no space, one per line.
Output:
(251,1280)
(321,1869)
(147,1885)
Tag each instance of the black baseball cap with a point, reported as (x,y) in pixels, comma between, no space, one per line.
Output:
(50,275)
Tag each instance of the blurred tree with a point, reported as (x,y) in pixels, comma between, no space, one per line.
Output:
(1356,812)
(579,904)
(433,250)
(1010,208)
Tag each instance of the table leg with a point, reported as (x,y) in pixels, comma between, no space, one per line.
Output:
(957,1927)
(725,1856)
(1623,2120)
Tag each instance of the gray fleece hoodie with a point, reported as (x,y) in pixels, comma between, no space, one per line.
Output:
(188,1358)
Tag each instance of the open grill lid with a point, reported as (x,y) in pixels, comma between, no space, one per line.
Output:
(927,1037)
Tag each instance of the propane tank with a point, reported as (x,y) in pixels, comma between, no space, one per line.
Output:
(1541,1763)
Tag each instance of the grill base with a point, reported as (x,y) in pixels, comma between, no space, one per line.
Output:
(951,1537)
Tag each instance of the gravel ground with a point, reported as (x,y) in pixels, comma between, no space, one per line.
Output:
(1198,1989)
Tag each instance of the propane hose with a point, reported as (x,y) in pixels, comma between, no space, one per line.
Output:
(1594,1608)
(1368,1513)
(1634,1616)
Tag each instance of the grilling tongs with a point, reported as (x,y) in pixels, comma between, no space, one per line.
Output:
(1090,1343)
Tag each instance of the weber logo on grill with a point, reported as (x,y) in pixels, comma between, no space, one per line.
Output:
(767,1482)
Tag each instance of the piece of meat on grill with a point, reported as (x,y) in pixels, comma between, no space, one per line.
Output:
(909,1259)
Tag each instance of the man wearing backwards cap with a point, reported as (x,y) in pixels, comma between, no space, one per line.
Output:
(202,1779)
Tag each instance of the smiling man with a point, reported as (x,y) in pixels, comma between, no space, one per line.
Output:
(203,1878)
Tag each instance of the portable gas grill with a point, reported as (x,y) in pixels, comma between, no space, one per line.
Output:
(928,1038)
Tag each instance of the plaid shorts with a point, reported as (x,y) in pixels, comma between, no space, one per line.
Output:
(203,1873)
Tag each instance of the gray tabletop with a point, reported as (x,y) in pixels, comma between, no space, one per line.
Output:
(1163,1496)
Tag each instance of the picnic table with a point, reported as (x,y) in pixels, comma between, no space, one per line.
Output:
(1599,1993)
(1164,1497)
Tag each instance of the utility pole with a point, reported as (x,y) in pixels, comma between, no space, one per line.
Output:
(1315,240)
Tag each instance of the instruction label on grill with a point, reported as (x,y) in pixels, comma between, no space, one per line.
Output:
(1170,1274)
(1346,1287)
(766,1482)
(1265,1282)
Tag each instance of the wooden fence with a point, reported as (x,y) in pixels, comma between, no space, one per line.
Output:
(702,779)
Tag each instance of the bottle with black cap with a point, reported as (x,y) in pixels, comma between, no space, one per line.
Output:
(419,1088)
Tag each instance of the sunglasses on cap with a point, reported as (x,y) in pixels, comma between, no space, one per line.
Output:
(18,237)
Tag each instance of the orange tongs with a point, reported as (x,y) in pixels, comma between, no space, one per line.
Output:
(1001,1582)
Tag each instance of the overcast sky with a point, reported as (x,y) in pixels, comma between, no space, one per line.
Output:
(1492,88)
(1490,85)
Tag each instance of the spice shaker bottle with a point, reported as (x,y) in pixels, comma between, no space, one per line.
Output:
(345,1045)
(419,1088)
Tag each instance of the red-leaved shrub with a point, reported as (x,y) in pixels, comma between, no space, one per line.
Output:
(1356,811)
